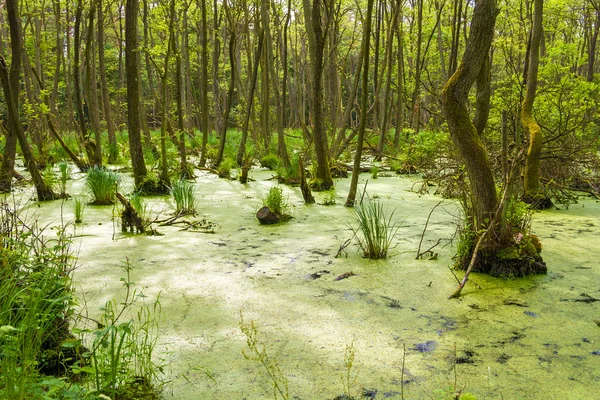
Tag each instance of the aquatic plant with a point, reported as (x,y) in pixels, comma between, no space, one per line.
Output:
(184,194)
(79,207)
(276,202)
(375,229)
(374,171)
(225,167)
(270,161)
(140,205)
(102,184)
(49,176)
(65,174)
(120,355)
(258,352)
(34,306)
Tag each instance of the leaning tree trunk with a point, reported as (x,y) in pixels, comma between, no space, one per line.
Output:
(455,103)
(133,93)
(531,183)
(11,99)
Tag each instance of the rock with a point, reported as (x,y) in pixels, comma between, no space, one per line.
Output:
(267,217)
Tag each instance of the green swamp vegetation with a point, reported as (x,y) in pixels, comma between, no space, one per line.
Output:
(462,135)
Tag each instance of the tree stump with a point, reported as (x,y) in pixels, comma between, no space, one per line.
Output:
(130,219)
(267,217)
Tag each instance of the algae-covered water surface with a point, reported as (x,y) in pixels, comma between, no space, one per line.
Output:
(533,338)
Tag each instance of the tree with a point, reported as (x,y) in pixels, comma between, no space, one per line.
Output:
(10,85)
(531,182)
(133,94)
(455,103)
(363,106)
(316,44)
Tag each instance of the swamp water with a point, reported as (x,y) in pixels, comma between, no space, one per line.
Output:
(528,338)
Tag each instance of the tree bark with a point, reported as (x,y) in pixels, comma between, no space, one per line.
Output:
(113,151)
(133,94)
(531,181)
(316,45)
(363,107)
(455,104)
(10,86)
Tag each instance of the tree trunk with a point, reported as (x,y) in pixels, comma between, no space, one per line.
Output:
(113,151)
(90,86)
(363,107)
(204,85)
(316,45)
(250,101)
(455,103)
(10,86)
(133,94)
(531,183)
(229,92)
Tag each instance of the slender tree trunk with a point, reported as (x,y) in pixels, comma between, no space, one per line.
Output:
(113,151)
(133,94)
(415,106)
(269,60)
(363,107)
(242,148)
(592,48)
(83,134)
(400,106)
(204,84)
(229,92)
(531,181)
(90,86)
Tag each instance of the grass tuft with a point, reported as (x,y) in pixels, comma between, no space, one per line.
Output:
(375,229)
(184,194)
(103,185)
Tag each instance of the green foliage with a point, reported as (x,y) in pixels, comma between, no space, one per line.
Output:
(79,208)
(102,184)
(184,194)
(65,174)
(120,356)
(270,161)
(421,151)
(35,304)
(374,171)
(329,198)
(140,205)
(225,167)
(375,228)
(348,380)
(290,174)
(50,177)
(276,202)
(257,351)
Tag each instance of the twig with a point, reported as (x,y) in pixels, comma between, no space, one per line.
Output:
(419,254)
(343,247)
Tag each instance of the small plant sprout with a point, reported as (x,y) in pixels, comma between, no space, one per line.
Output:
(184,194)
(103,185)
(375,228)
(348,380)
(257,351)
(79,205)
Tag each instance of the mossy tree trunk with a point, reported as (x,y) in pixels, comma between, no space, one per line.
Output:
(455,103)
(531,183)
(133,92)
